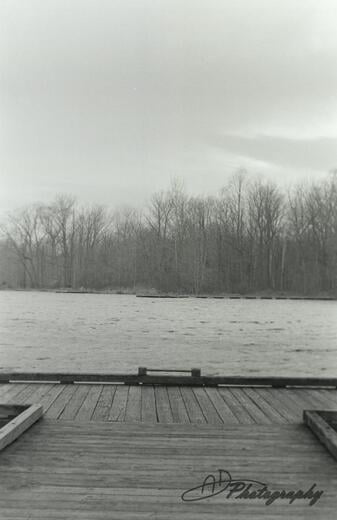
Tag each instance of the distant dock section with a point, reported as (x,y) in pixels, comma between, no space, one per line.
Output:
(236,297)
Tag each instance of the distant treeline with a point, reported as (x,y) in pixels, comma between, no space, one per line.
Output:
(252,237)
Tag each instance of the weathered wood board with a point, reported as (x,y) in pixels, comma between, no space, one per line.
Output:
(324,425)
(23,419)
(170,404)
(110,471)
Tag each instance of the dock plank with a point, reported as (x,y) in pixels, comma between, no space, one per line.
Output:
(75,402)
(56,408)
(278,404)
(253,410)
(163,407)
(12,392)
(177,403)
(39,392)
(118,408)
(208,409)
(104,403)
(89,404)
(192,406)
(4,389)
(302,399)
(239,412)
(133,405)
(323,401)
(329,396)
(294,407)
(270,411)
(50,396)
(149,411)
(223,410)
(24,394)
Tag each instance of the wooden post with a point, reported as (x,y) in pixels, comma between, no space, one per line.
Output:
(195,372)
(142,371)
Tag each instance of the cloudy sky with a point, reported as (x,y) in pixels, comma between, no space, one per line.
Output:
(109,100)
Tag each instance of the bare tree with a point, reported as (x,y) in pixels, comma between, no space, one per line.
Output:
(265,213)
(249,238)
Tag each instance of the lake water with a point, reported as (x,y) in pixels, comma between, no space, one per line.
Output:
(117,333)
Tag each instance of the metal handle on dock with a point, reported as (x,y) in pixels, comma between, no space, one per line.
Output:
(195,372)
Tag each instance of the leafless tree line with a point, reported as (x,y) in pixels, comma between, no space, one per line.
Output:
(251,237)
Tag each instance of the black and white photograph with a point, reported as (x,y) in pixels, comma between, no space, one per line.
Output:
(168,259)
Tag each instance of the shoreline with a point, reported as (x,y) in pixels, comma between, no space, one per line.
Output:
(145,294)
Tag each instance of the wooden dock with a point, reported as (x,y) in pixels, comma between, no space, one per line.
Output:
(170,404)
(120,451)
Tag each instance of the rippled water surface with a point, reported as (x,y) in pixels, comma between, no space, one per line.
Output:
(113,333)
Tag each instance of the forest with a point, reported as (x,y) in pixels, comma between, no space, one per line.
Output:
(252,237)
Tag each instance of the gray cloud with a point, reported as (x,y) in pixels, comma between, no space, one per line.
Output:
(311,154)
(111,100)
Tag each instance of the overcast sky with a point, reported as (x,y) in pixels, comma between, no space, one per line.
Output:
(109,100)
